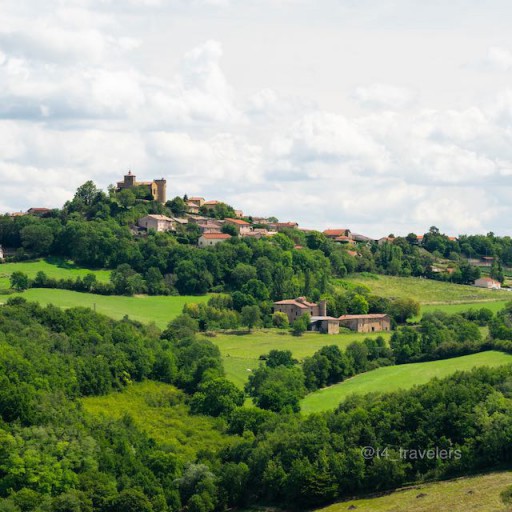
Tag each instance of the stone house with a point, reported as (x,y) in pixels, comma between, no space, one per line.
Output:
(242,227)
(324,324)
(373,322)
(336,233)
(488,282)
(159,223)
(211,239)
(293,308)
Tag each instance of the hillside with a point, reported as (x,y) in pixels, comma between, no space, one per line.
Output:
(425,291)
(144,308)
(404,376)
(460,495)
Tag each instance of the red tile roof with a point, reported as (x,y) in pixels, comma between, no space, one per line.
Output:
(357,317)
(216,236)
(335,232)
(238,221)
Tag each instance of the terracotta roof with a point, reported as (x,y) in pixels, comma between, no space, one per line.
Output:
(335,232)
(195,198)
(211,203)
(217,236)
(357,317)
(291,302)
(343,238)
(159,217)
(487,280)
(238,221)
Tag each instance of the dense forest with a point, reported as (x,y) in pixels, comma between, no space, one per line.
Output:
(94,230)
(55,457)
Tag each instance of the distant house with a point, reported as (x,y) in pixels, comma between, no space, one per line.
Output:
(38,211)
(242,227)
(280,226)
(324,324)
(210,226)
(488,282)
(335,233)
(197,201)
(159,223)
(239,214)
(386,240)
(360,238)
(374,322)
(211,239)
(294,308)
(210,205)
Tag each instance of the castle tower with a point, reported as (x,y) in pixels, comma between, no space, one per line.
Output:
(129,180)
(161,190)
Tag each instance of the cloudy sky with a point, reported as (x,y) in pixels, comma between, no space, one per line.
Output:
(378,115)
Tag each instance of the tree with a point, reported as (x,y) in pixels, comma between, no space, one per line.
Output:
(37,238)
(19,281)
(132,500)
(216,397)
(277,358)
(277,389)
(280,320)
(229,229)
(251,316)
(300,325)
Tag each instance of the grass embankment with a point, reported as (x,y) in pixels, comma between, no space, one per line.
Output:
(426,291)
(159,410)
(53,267)
(147,309)
(403,376)
(240,352)
(461,495)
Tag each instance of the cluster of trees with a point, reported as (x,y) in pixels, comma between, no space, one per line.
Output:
(54,459)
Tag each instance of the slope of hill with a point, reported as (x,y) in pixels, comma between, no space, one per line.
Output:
(425,291)
(481,492)
(404,376)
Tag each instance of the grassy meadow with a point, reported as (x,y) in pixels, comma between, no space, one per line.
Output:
(240,352)
(461,495)
(52,267)
(426,291)
(144,308)
(159,410)
(404,376)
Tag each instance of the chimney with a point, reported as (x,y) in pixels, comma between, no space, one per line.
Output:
(322,307)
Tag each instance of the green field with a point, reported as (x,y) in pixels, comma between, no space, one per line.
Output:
(157,309)
(240,352)
(52,267)
(426,291)
(451,309)
(461,495)
(401,376)
(159,410)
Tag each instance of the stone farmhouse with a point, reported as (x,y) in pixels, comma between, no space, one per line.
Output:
(488,282)
(211,239)
(293,308)
(156,188)
(159,223)
(373,322)
(242,227)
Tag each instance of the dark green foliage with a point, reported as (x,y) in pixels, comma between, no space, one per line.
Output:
(216,397)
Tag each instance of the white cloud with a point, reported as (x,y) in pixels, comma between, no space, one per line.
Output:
(384,96)
(499,58)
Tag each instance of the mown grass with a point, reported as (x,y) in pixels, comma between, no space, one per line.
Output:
(461,495)
(451,309)
(425,291)
(241,352)
(402,376)
(147,309)
(160,410)
(53,267)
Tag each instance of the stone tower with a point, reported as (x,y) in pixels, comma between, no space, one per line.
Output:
(161,190)
(129,180)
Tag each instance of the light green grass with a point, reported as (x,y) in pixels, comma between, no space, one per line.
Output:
(160,411)
(52,267)
(402,376)
(157,309)
(241,352)
(426,291)
(451,309)
(461,495)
